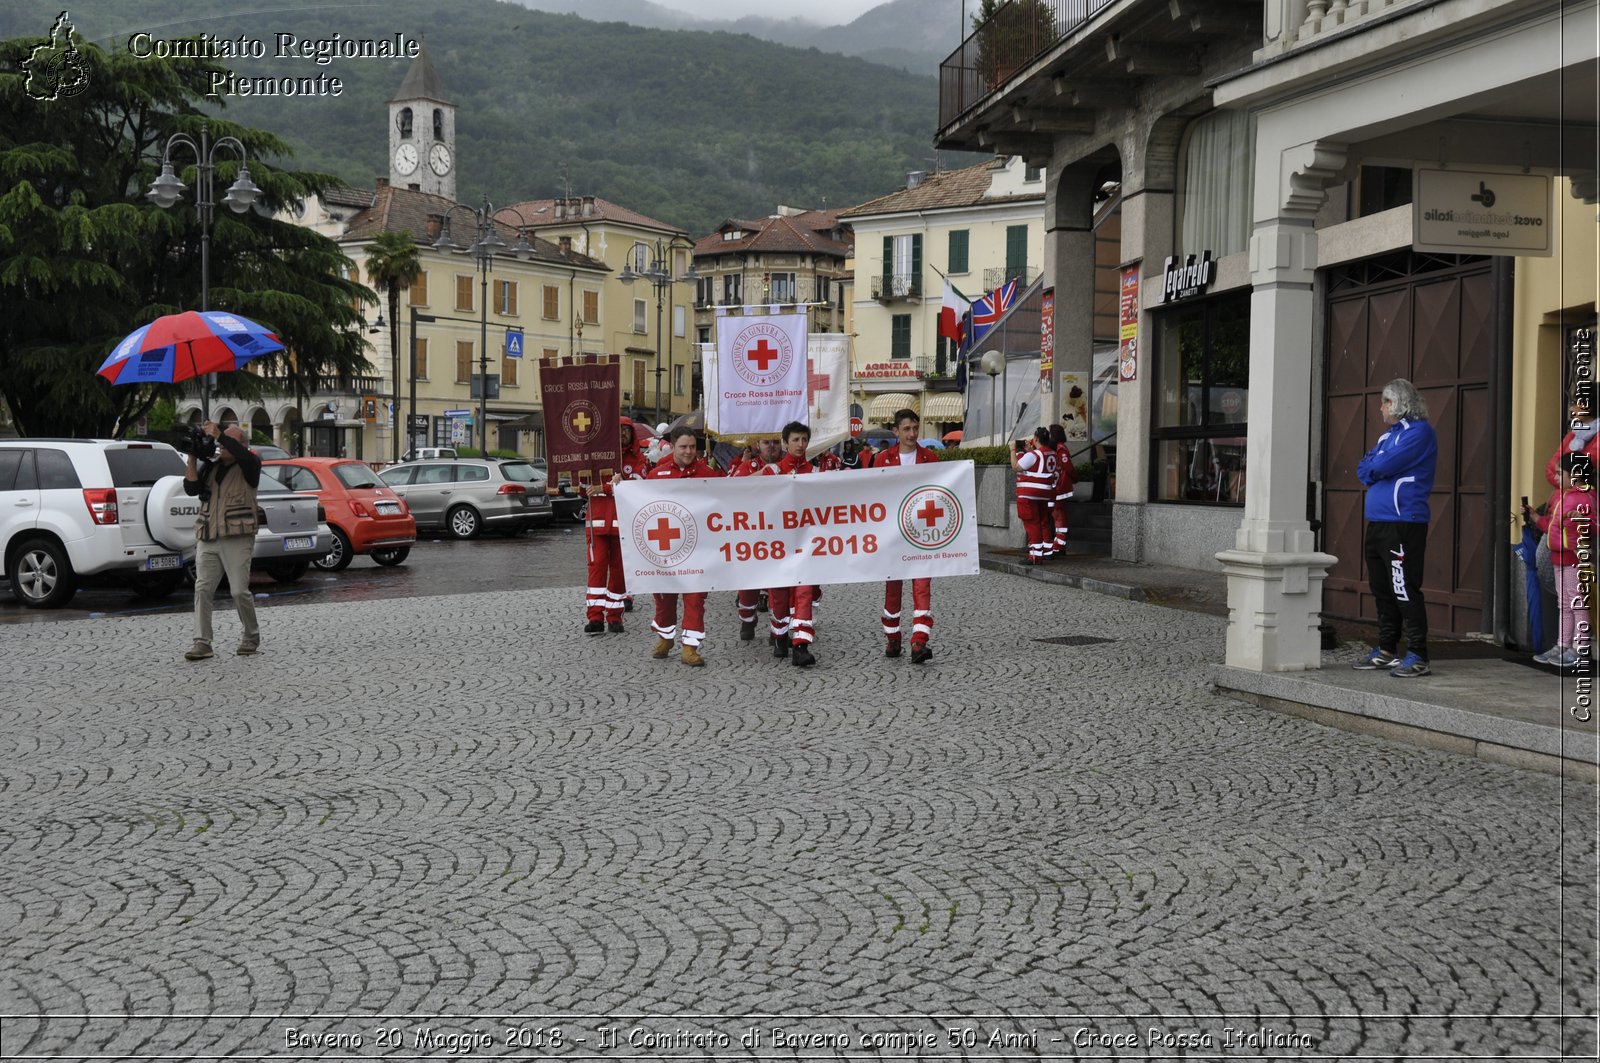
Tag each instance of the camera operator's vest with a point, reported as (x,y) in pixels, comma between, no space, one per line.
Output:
(231,509)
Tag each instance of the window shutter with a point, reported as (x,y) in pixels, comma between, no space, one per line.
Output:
(591,308)
(508,370)
(888,265)
(916,266)
(419,289)
(422,358)
(463,292)
(511,298)
(463,361)
(958,251)
(552,302)
(1016,250)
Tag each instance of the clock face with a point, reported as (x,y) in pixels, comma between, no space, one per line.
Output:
(439,159)
(405,158)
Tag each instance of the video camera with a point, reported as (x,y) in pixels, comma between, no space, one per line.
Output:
(191,439)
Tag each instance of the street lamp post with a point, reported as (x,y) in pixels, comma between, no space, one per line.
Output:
(993,363)
(483,250)
(659,274)
(241,195)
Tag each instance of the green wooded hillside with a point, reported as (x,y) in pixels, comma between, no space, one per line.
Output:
(688,127)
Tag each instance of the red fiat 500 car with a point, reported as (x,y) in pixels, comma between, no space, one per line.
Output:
(365,515)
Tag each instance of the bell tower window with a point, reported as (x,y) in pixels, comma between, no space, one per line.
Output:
(438,124)
(405,122)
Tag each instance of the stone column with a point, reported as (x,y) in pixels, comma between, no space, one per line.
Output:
(1069,258)
(1274,572)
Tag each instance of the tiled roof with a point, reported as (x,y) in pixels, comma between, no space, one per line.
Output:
(422,81)
(404,210)
(541,213)
(348,197)
(953,188)
(774,235)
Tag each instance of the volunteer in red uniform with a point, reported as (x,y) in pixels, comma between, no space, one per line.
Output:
(766,452)
(607,592)
(682,462)
(907,451)
(828,461)
(1066,484)
(792,623)
(1035,462)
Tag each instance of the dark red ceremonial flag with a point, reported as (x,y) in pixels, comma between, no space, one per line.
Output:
(582,416)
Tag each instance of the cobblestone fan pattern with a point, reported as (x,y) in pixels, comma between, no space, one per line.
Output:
(429,814)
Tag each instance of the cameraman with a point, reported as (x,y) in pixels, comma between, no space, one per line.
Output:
(225,534)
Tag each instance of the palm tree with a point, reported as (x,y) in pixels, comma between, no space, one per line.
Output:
(392,263)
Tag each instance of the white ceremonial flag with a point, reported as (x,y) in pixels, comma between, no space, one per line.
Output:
(864,526)
(708,387)
(761,373)
(828,390)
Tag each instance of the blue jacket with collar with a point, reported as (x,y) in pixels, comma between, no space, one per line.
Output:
(1398,472)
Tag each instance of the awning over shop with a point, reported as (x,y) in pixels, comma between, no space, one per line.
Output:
(944,406)
(883,406)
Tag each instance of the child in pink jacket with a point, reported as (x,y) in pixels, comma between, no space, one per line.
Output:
(1569,527)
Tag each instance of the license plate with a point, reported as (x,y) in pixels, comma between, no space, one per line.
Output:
(161,561)
(386,509)
(299,543)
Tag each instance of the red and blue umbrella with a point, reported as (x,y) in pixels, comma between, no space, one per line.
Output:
(177,347)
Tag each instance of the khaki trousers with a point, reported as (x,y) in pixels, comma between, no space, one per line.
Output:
(230,555)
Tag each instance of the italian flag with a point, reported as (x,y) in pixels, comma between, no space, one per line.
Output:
(951,311)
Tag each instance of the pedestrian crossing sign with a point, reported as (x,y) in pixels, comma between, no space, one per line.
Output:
(513,343)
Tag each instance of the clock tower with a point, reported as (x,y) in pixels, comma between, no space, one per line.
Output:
(422,132)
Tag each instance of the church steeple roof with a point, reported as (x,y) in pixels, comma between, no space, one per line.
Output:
(422,81)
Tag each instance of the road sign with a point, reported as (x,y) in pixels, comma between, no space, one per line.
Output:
(458,413)
(513,343)
(855,426)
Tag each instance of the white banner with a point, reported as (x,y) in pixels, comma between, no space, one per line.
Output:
(708,384)
(863,526)
(761,373)
(828,390)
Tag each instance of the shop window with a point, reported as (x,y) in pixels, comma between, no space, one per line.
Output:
(1201,397)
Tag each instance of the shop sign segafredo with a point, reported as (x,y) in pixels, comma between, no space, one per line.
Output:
(1186,279)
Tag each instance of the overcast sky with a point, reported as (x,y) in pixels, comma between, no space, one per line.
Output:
(824,12)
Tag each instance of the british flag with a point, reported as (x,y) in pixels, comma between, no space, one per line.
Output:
(989,309)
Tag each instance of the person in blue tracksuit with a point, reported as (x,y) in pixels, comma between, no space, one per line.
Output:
(1398,473)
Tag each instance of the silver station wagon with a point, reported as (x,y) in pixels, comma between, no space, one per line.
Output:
(467,495)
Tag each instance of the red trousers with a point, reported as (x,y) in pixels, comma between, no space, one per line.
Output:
(791,613)
(694,617)
(1060,510)
(1036,521)
(606,589)
(748,600)
(921,609)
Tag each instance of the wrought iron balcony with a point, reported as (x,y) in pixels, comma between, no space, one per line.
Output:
(993,278)
(1016,33)
(889,287)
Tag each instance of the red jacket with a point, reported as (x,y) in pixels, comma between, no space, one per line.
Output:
(788,465)
(828,461)
(892,456)
(1571,517)
(1553,466)
(602,507)
(667,469)
(1036,476)
(1066,475)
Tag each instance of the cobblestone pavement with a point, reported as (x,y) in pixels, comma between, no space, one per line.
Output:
(409,820)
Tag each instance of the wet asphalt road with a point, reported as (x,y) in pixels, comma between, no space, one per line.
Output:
(543,557)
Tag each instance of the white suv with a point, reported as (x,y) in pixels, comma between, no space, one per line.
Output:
(71,508)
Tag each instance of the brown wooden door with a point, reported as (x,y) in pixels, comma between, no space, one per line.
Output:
(1429,319)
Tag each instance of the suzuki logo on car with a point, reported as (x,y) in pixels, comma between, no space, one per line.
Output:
(186,511)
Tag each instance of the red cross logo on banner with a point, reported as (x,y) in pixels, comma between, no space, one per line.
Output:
(664,535)
(931,518)
(763,354)
(930,513)
(581,422)
(817,381)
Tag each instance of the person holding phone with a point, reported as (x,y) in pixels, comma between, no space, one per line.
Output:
(1035,463)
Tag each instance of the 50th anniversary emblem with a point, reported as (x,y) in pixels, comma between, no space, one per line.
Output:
(930,518)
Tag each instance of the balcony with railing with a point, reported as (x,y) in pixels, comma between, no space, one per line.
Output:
(1014,35)
(1290,24)
(887,287)
(993,278)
